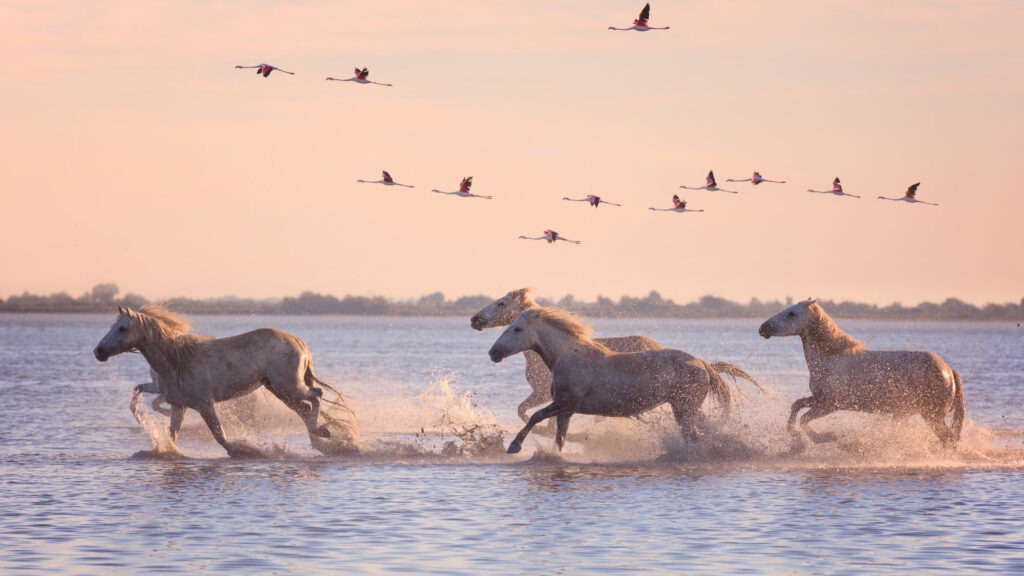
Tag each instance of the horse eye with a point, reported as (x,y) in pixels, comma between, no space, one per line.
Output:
(517,329)
(500,304)
(121,328)
(791,314)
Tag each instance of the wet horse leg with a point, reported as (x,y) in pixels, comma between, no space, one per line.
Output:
(536,398)
(562,422)
(544,413)
(938,425)
(796,408)
(817,410)
(209,415)
(177,418)
(308,412)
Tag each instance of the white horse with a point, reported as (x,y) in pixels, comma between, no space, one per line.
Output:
(504,310)
(196,372)
(846,376)
(588,378)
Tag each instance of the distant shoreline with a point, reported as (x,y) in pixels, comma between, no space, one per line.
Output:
(105,298)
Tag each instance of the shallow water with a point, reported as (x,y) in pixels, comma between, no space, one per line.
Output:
(630,497)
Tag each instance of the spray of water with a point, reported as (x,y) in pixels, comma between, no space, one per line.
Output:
(444,422)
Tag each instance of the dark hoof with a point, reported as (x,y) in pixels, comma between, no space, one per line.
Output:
(323,432)
(514,448)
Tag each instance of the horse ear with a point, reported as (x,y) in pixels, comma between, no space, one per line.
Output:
(121,310)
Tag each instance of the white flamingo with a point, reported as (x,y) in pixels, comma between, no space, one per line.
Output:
(265,69)
(910,196)
(757,179)
(463,191)
(710,185)
(640,24)
(837,189)
(678,205)
(594,200)
(386,180)
(360,77)
(550,236)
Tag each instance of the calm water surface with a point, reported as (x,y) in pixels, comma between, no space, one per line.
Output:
(628,497)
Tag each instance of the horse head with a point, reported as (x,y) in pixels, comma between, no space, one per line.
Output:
(516,338)
(791,321)
(122,337)
(504,310)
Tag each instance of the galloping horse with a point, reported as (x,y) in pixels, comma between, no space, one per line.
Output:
(846,376)
(588,378)
(504,310)
(196,372)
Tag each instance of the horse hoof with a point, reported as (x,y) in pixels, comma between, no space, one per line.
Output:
(323,432)
(514,448)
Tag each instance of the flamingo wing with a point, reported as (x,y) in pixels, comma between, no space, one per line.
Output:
(387,177)
(912,190)
(466,184)
(645,14)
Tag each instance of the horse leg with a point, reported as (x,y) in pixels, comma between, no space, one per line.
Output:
(209,415)
(687,419)
(817,410)
(794,410)
(536,398)
(938,426)
(562,422)
(548,411)
(308,412)
(177,418)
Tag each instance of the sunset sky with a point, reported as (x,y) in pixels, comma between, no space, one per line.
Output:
(134,152)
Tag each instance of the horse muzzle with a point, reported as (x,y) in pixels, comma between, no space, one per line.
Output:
(100,354)
(496,354)
(477,323)
(765,331)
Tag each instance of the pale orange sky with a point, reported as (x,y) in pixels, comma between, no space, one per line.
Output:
(135,153)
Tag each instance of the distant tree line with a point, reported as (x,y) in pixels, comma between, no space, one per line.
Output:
(103,298)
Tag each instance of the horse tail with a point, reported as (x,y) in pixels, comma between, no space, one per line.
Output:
(959,408)
(720,389)
(734,372)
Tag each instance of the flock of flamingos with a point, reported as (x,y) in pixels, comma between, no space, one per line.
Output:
(640,24)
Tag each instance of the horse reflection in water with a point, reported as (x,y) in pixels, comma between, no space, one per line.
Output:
(504,310)
(846,376)
(193,371)
(588,378)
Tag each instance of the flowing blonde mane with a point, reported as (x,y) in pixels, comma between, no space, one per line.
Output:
(525,295)
(829,335)
(160,325)
(567,322)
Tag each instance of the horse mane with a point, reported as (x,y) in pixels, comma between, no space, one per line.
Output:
(525,295)
(828,333)
(567,322)
(160,325)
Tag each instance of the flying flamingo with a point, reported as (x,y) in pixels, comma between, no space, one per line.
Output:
(464,192)
(837,189)
(756,179)
(640,24)
(710,185)
(360,77)
(910,196)
(677,206)
(550,236)
(594,200)
(386,180)
(266,69)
